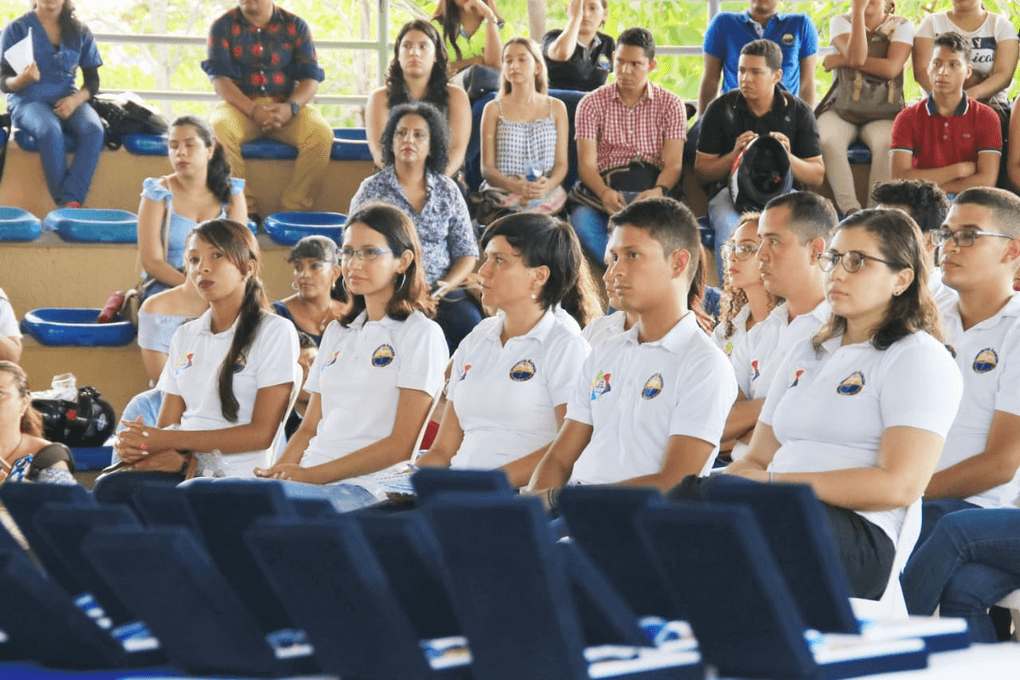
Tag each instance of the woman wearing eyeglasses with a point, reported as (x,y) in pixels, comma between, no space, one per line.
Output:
(861,410)
(379,367)
(744,301)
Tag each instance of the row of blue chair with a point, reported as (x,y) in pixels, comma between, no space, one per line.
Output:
(235,578)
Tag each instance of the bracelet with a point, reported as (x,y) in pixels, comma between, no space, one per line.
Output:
(772,477)
(550,497)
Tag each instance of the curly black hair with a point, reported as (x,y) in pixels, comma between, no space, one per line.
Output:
(927,203)
(439,142)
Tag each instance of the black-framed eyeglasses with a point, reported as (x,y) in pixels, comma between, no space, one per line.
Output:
(738,252)
(852,260)
(366,254)
(964,238)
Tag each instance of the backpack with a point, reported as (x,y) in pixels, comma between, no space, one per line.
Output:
(127,114)
(87,422)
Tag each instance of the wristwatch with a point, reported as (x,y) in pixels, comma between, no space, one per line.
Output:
(294,108)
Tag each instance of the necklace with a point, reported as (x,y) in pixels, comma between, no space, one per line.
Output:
(7,464)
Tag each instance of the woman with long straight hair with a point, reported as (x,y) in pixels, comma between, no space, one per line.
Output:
(230,376)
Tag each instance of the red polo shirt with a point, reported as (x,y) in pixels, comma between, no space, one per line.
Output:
(939,141)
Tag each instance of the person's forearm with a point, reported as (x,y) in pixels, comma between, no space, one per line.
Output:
(520,471)
(707,91)
(971,476)
(867,489)
(670,173)
(742,418)
(710,168)
(493,51)
(304,91)
(940,176)
(592,179)
(811,173)
(857,44)
(372,458)
(10,348)
(981,178)
(563,47)
(162,271)
(238,439)
(460,269)
(297,444)
(231,93)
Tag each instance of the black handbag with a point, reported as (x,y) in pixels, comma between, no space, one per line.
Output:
(761,172)
(88,421)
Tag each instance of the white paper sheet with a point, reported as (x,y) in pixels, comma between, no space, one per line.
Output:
(20,54)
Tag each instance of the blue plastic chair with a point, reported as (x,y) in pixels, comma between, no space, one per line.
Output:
(56,326)
(287,228)
(17,224)
(146,145)
(349,144)
(92,225)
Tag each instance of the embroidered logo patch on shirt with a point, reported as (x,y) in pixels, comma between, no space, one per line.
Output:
(755,373)
(796,377)
(184,362)
(523,371)
(330,361)
(240,363)
(852,385)
(467,367)
(986,360)
(728,348)
(600,385)
(653,387)
(382,356)
(788,39)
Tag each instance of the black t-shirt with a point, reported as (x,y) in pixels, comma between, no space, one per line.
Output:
(728,117)
(578,72)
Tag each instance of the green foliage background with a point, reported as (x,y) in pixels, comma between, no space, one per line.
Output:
(147,67)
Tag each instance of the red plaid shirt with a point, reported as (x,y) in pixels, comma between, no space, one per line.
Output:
(626,134)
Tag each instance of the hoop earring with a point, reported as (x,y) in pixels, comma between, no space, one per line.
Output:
(403,280)
(294,287)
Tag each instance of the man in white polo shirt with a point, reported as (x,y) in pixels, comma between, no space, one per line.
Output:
(650,404)
(980,255)
(793,230)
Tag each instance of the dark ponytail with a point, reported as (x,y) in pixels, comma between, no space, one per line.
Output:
(451,26)
(218,171)
(238,244)
(696,294)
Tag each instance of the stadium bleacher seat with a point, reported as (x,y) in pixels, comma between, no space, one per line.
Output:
(28,142)
(287,228)
(56,326)
(93,225)
(18,225)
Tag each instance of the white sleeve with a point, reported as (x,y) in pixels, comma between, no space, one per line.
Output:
(927,29)
(780,383)
(1004,31)
(275,352)
(838,26)
(168,378)
(327,346)
(579,406)
(564,362)
(921,388)
(8,320)
(904,32)
(708,395)
(740,360)
(1007,397)
(427,368)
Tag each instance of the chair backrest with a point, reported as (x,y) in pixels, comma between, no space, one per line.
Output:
(334,587)
(793,523)
(409,555)
(166,575)
(428,482)
(602,521)
(509,586)
(64,526)
(892,604)
(160,504)
(222,510)
(23,501)
(744,617)
(43,623)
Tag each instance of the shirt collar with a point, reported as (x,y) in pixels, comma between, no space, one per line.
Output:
(596,42)
(1009,310)
(964,106)
(648,94)
(361,320)
(747,17)
(779,100)
(675,341)
(540,331)
(205,325)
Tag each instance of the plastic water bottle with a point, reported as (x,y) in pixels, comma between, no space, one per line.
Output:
(534,171)
(112,306)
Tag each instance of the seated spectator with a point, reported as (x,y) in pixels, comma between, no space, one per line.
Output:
(226,394)
(43,100)
(948,137)
(993,40)
(309,350)
(872,43)
(616,320)
(502,411)
(24,454)
(579,56)
(10,331)
(466,40)
(980,252)
(793,231)
(159,318)
(649,405)
(630,139)
(879,363)
(262,63)
(524,139)
(418,73)
(378,369)
(970,562)
(200,188)
(316,261)
(415,152)
(745,301)
(928,206)
(759,107)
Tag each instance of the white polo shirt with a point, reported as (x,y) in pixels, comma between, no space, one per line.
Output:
(604,327)
(192,372)
(637,395)
(359,372)
(829,411)
(943,294)
(505,395)
(727,343)
(757,356)
(988,355)
(8,320)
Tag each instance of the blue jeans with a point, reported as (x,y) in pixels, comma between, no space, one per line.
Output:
(934,510)
(344,497)
(590,225)
(457,314)
(970,562)
(724,218)
(65,183)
